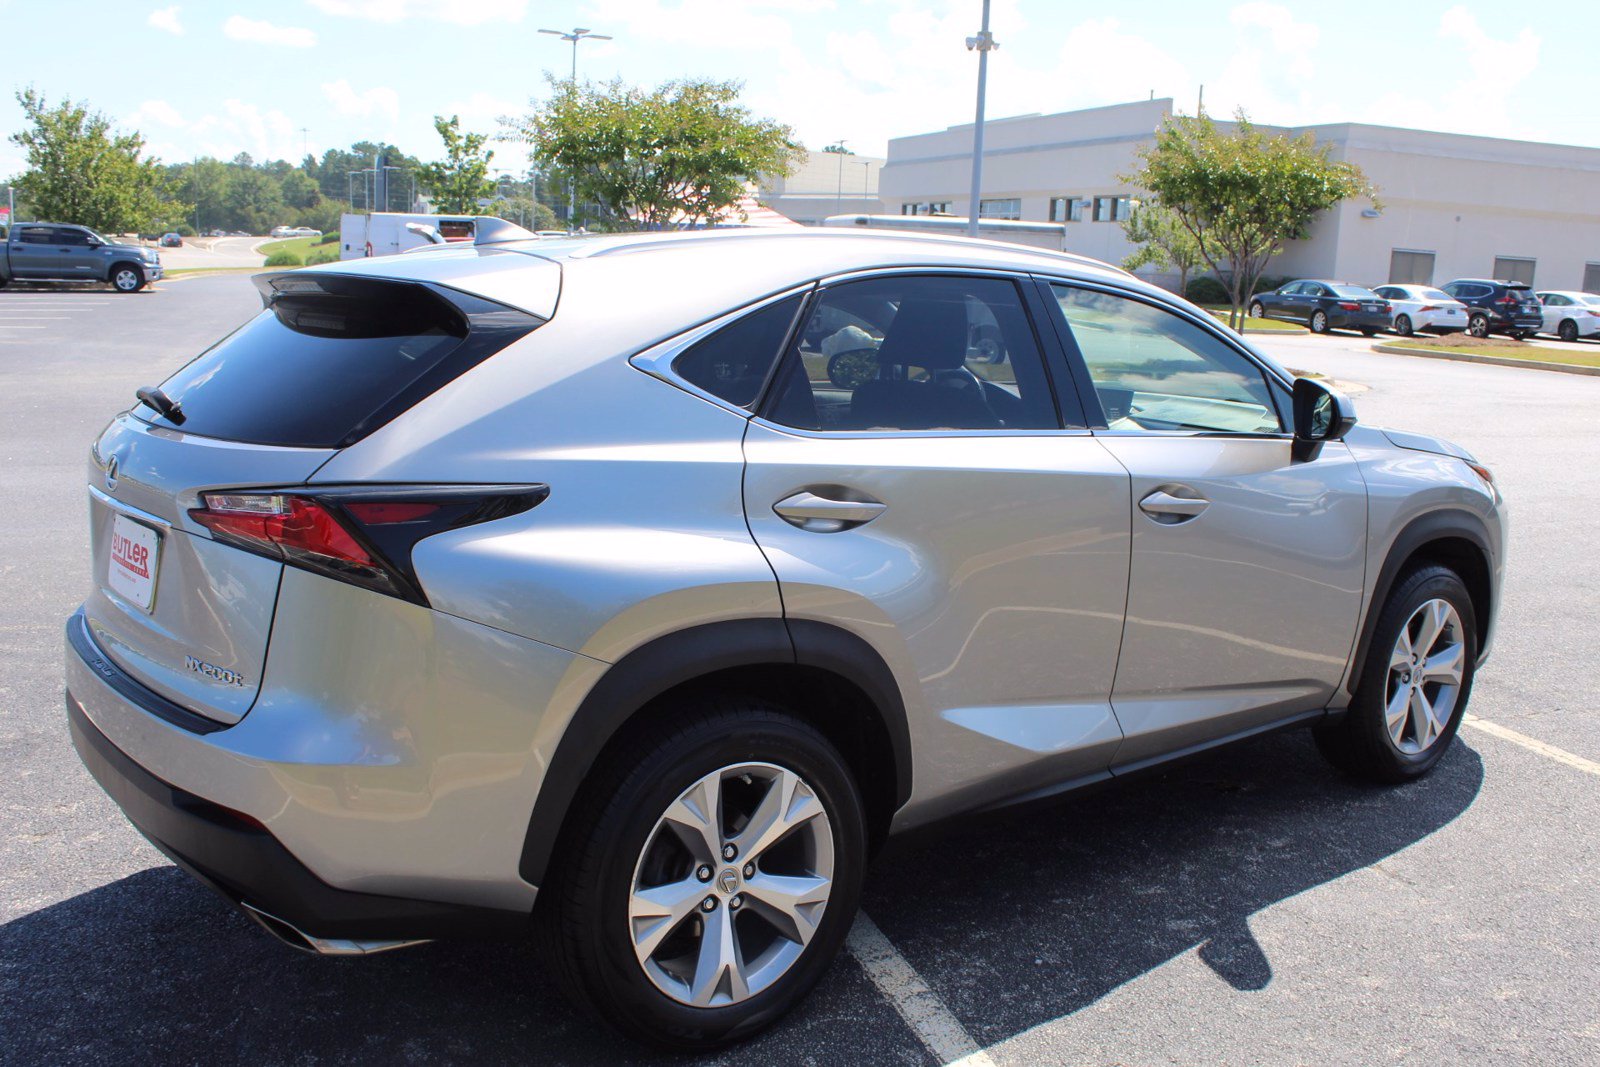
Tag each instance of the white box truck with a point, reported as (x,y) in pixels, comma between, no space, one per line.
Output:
(384,233)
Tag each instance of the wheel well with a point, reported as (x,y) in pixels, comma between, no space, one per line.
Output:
(836,707)
(1466,559)
(111,271)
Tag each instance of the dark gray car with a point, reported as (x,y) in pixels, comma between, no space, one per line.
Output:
(48,251)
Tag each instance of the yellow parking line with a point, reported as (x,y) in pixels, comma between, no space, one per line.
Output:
(1560,755)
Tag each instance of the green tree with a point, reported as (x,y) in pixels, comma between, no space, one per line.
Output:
(254,200)
(299,190)
(680,154)
(80,171)
(1163,243)
(461,179)
(1242,194)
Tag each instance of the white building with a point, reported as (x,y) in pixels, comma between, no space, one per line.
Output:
(826,183)
(1452,205)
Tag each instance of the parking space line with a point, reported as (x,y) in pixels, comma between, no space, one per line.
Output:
(918,1005)
(1588,766)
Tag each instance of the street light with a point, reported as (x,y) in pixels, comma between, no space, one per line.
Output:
(838,190)
(578,33)
(983,44)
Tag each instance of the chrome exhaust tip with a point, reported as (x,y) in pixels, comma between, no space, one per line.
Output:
(296,938)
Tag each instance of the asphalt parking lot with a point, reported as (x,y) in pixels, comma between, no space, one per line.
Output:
(1248,907)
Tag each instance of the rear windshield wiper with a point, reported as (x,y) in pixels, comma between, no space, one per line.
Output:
(168,408)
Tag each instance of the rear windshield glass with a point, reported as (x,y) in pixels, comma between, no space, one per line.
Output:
(1590,298)
(1434,294)
(1353,292)
(321,369)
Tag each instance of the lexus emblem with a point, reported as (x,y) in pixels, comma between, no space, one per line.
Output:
(728,880)
(111,474)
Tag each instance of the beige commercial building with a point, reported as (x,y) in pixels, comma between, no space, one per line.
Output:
(1450,205)
(825,183)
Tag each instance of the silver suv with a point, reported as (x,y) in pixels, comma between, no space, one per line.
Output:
(635,589)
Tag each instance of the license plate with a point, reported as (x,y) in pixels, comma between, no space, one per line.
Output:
(1452,311)
(135,554)
(1370,307)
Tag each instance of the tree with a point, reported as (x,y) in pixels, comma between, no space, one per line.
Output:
(1164,243)
(254,200)
(677,155)
(1242,194)
(461,179)
(80,171)
(837,149)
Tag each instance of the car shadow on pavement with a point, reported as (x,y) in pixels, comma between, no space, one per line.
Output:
(1062,905)
(1015,920)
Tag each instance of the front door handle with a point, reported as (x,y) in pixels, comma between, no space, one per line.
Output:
(1170,510)
(822,514)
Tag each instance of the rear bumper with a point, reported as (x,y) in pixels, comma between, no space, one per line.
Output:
(1359,320)
(235,855)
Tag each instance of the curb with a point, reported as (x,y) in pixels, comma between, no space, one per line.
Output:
(1493,361)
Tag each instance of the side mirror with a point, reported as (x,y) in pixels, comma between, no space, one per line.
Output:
(1320,414)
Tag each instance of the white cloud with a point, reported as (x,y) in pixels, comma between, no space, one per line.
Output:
(166,18)
(459,12)
(242,29)
(347,100)
(159,112)
(1494,59)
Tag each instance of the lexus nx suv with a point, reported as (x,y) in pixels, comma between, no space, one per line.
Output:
(632,590)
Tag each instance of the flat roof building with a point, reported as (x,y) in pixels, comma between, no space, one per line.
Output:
(1452,205)
(825,183)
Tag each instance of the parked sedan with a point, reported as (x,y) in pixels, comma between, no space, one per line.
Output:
(171,240)
(1324,306)
(1495,306)
(1571,315)
(1422,307)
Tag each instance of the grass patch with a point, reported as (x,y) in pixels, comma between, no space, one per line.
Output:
(1499,347)
(1257,325)
(298,247)
(301,251)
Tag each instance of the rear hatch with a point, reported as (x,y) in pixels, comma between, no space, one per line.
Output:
(332,358)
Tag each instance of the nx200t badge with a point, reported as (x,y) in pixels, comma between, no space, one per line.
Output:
(216,674)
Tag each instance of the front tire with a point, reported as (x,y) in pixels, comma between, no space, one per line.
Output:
(1403,326)
(1319,321)
(1257,311)
(1478,326)
(649,921)
(1415,682)
(127,278)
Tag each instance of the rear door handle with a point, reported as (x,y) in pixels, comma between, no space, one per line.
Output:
(1170,510)
(821,514)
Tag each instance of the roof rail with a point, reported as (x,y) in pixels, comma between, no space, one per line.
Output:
(489,230)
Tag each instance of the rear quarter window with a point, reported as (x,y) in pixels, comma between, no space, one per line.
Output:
(332,359)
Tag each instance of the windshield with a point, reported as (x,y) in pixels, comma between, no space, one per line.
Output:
(1353,292)
(95,236)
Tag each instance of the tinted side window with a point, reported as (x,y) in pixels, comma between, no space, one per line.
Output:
(733,362)
(916,353)
(1155,371)
(35,235)
(68,236)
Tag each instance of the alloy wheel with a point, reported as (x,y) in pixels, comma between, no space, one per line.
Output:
(1478,326)
(1319,322)
(731,885)
(126,280)
(1426,668)
(1403,327)
(1257,311)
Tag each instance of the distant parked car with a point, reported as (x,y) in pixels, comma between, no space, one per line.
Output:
(171,240)
(306,231)
(282,231)
(1416,308)
(1495,306)
(1570,315)
(1324,306)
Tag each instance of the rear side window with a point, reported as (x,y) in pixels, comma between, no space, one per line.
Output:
(35,235)
(333,358)
(733,362)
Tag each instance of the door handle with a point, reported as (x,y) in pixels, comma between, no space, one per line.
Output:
(1170,510)
(821,514)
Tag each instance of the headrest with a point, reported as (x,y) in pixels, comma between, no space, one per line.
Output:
(926,333)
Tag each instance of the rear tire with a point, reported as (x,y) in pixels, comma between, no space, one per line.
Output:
(1478,326)
(1403,326)
(621,844)
(1368,331)
(1395,731)
(127,278)
(1520,335)
(1319,321)
(1567,331)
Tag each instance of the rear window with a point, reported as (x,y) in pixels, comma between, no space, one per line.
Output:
(1354,292)
(733,362)
(333,358)
(1434,294)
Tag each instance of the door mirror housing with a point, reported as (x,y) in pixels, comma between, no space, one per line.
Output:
(1320,414)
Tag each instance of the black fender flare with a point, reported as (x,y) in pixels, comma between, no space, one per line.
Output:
(1432,526)
(676,658)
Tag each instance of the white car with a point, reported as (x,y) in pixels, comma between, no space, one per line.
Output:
(282,231)
(1570,315)
(305,231)
(1422,307)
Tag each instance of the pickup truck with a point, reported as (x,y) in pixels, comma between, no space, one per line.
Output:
(50,251)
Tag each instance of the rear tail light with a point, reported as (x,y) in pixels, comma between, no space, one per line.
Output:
(1428,307)
(361,535)
(1346,305)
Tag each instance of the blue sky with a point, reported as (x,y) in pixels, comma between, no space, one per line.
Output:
(209,77)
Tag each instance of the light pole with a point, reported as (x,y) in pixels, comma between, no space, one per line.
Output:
(838,190)
(866,178)
(983,44)
(578,33)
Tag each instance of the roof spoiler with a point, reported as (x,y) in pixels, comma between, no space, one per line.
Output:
(488,230)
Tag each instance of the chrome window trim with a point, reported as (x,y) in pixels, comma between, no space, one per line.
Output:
(657,360)
(836,435)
